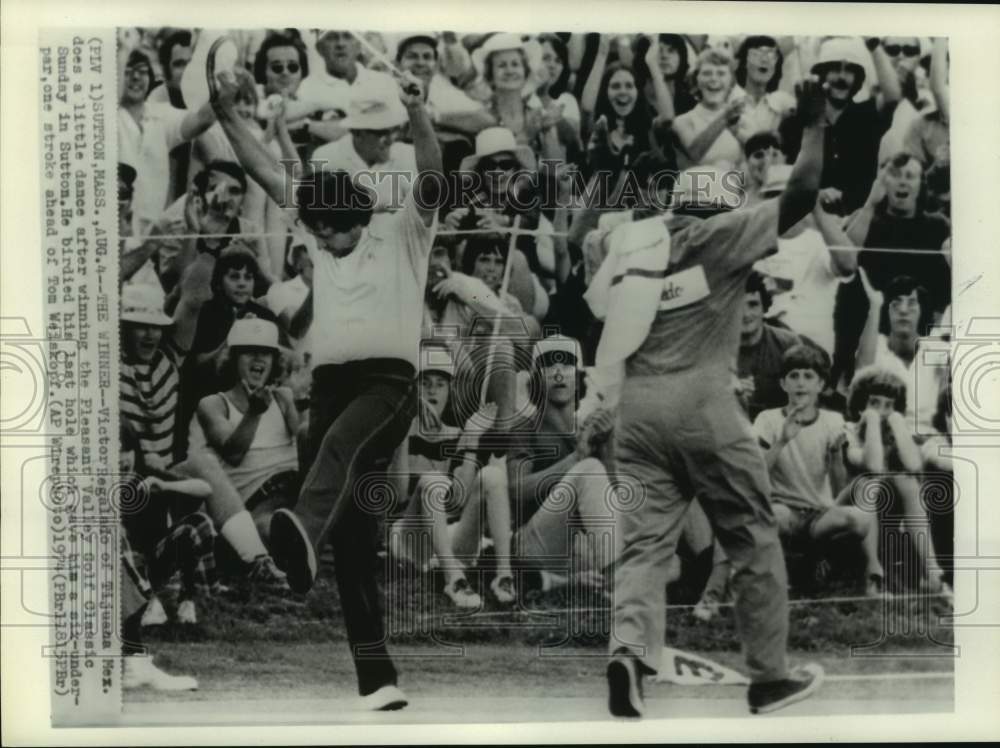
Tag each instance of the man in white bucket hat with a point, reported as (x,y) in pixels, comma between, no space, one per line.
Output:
(153,348)
(672,307)
(372,153)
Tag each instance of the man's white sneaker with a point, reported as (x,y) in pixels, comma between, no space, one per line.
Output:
(140,671)
(154,615)
(462,594)
(386,699)
(186,612)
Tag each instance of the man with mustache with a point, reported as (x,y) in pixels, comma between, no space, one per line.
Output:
(853,130)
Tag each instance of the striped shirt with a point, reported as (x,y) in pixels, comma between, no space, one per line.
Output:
(148,397)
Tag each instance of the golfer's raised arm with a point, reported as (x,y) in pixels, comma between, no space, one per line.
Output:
(262,167)
(427,151)
(798,199)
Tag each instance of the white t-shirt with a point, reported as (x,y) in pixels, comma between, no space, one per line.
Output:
(321,91)
(765,115)
(807,286)
(391,180)
(370,303)
(800,476)
(923,377)
(147,150)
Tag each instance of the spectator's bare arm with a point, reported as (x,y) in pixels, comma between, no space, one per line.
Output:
(591,89)
(939,76)
(196,122)
(868,344)
(888,81)
(844,263)
(196,289)
(427,149)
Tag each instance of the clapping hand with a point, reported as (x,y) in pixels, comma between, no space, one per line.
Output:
(259,399)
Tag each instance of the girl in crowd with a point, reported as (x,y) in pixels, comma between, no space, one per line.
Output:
(707,133)
(758,71)
(671,61)
(449,490)
(251,423)
(555,58)
(879,442)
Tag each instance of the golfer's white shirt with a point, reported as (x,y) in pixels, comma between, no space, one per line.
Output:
(391,181)
(146,148)
(370,303)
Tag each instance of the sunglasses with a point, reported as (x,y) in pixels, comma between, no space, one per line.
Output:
(506,164)
(762,52)
(278,68)
(909,50)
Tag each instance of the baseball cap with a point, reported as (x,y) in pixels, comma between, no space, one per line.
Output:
(438,359)
(557,349)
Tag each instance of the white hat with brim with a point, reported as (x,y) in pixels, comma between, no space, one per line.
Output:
(142,303)
(841,49)
(253,332)
(377,107)
(503,42)
(557,344)
(494,140)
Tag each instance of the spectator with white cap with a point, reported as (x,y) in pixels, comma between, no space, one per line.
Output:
(559,485)
(448,488)
(154,347)
(854,130)
(252,424)
(373,153)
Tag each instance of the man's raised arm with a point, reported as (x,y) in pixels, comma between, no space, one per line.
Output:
(262,167)
(799,197)
(430,166)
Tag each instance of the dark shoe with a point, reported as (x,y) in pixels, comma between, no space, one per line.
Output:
(293,551)
(625,686)
(265,575)
(801,684)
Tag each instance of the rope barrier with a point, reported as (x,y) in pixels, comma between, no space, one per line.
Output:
(519,232)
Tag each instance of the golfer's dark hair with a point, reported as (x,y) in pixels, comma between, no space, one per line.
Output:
(331,199)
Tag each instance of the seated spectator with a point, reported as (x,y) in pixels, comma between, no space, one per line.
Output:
(762,348)
(806,273)
(707,133)
(880,442)
(803,446)
(905,318)
(448,490)
(558,480)
(154,347)
(758,72)
(372,152)
(168,536)
(251,423)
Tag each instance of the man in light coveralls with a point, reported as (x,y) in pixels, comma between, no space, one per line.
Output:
(673,325)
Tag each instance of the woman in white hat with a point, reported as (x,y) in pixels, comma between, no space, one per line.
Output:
(252,425)
(512,69)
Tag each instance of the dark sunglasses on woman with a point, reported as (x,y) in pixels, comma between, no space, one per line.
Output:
(908,50)
(278,68)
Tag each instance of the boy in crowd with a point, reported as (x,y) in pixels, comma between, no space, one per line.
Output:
(802,445)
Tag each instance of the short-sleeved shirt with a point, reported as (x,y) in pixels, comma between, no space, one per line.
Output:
(370,303)
(697,326)
(149,397)
(391,181)
(800,476)
(146,148)
(762,361)
(807,284)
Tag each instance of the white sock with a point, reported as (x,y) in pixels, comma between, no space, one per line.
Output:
(242,535)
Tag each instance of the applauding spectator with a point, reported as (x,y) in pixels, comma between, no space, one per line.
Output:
(707,133)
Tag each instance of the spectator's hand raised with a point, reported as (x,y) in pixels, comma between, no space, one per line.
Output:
(875,297)
(811,98)
(733,111)
(463,287)
(411,90)
(258,400)
(792,425)
(552,114)
(829,198)
(453,220)
(878,191)
(652,56)
(604,45)
(200,219)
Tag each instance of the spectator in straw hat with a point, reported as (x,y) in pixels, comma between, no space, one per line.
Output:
(154,347)
(373,153)
(251,423)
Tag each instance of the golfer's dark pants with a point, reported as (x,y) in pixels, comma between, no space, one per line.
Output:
(360,412)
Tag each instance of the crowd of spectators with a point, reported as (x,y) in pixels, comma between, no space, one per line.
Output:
(565,138)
